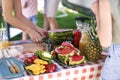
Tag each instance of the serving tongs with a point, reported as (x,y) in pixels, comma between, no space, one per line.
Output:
(11,68)
(15,66)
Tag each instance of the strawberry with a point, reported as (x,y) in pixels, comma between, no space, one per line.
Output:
(51,68)
(34,57)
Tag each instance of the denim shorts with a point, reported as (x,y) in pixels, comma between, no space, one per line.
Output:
(111,68)
(34,19)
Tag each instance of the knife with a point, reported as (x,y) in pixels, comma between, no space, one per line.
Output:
(19,42)
(11,68)
(15,66)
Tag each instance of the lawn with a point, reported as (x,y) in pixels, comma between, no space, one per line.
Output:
(63,22)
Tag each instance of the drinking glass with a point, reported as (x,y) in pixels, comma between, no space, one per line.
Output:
(3,38)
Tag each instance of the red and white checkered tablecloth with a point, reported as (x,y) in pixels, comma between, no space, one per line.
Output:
(87,71)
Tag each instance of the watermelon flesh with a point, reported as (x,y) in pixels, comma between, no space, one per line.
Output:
(67,44)
(76,59)
(54,54)
(66,51)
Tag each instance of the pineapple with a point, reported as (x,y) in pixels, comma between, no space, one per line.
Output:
(93,48)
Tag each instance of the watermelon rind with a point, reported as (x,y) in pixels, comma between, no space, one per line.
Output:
(44,55)
(71,62)
(63,59)
(60,35)
(76,51)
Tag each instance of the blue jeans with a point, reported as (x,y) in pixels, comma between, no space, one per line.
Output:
(111,68)
(34,19)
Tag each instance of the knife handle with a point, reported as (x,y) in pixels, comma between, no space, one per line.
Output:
(16,68)
(12,69)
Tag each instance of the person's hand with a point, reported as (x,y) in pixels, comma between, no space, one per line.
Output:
(35,36)
(43,32)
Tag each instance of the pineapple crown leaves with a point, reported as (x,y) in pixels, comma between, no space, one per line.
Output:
(93,22)
(93,30)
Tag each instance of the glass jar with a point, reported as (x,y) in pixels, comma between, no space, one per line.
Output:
(3,39)
(83,42)
(77,37)
(84,39)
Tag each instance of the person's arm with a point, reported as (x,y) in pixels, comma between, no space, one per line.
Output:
(105,23)
(23,19)
(95,9)
(101,9)
(8,6)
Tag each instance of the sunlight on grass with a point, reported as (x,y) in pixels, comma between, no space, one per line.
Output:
(63,22)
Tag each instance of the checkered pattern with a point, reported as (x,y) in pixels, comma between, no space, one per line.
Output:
(87,71)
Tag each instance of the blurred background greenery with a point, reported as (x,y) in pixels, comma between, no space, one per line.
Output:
(63,22)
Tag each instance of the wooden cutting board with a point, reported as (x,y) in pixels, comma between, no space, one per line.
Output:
(30,46)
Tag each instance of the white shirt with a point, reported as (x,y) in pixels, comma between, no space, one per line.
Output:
(115,9)
(84,3)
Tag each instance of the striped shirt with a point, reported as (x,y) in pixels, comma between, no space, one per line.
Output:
(31,8)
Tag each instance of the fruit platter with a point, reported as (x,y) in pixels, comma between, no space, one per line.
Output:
(38,63)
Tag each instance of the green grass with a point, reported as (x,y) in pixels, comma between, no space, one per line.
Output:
(67,22)
(63,22)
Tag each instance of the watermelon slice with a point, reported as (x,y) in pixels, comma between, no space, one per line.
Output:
(63,59)
(76,59)
(76,51)
(60,35)
(67,44)
(68,54)
(54,53)
(64,50)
